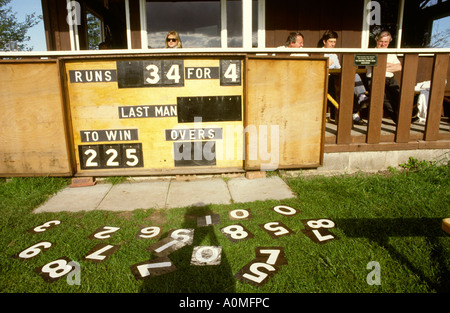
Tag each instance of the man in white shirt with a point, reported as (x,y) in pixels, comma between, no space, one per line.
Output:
(295,40)
(392,89)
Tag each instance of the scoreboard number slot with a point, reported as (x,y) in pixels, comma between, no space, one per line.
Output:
(110,156)
(150,73)
(230,71)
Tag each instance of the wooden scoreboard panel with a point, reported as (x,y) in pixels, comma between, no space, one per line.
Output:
(156,115)
(286,99)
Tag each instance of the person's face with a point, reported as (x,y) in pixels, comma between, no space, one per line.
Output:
(298,43)
(330,43)
(383,42)
(172,41)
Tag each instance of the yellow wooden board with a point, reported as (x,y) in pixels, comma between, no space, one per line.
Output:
(32,134)
(134,116)
(285,113)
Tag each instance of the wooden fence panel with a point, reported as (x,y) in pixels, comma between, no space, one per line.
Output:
(376,100)
(32,136)
(437,91)
(346,100)
(410,65)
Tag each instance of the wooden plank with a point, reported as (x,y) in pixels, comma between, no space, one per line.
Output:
(437,91)
(376,100)
(346,100)
(385,146)
(285,103)
(33,140)
(410,64)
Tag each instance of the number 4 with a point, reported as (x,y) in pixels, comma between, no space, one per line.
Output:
(231,72)
(174,73)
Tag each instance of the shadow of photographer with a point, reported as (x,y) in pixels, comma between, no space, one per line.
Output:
(188,277)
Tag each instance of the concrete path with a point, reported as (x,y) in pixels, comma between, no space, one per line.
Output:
(166,194)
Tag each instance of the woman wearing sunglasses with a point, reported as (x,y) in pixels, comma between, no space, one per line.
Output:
(173,40)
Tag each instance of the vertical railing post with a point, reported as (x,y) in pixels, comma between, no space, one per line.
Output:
(437,91)
(409,76)
(344,127)
(376,100)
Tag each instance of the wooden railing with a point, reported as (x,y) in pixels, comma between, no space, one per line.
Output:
(341,136)
(434,135)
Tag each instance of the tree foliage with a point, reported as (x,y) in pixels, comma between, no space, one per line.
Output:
(13,30)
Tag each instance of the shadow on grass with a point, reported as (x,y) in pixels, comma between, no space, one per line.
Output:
(194,278)
(380,230)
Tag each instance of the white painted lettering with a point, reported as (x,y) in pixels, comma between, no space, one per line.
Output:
(98,76)
(189,72)
(78,77)
(208,73)
(108,77)
(94,136)
(89,76)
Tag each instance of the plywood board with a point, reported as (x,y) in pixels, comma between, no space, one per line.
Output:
(285,113)
(156,115)
(32,133)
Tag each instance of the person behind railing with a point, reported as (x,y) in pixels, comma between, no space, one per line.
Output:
(392,89)
(328,40)
(294,40)
(173,40)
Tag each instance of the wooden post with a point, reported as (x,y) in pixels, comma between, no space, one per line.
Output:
(376,100)
(346,100)
(410,64)
(437,91)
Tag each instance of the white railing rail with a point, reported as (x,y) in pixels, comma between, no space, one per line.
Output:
(268,51)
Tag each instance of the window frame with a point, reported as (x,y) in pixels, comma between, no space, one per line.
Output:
(247,20)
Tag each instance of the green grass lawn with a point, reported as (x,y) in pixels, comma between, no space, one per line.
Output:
(392,218)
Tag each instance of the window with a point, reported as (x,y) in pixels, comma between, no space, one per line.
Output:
(413,24)
(440,33)
(389,16)
(234,23)
(94,30)
(426,24)
(202,24)
(34,37)
(197,22)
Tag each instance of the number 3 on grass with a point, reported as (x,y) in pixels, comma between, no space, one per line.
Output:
(44,227)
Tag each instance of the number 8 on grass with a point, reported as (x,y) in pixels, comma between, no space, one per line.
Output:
(317,230)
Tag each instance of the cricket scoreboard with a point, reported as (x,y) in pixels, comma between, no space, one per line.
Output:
(161,114)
